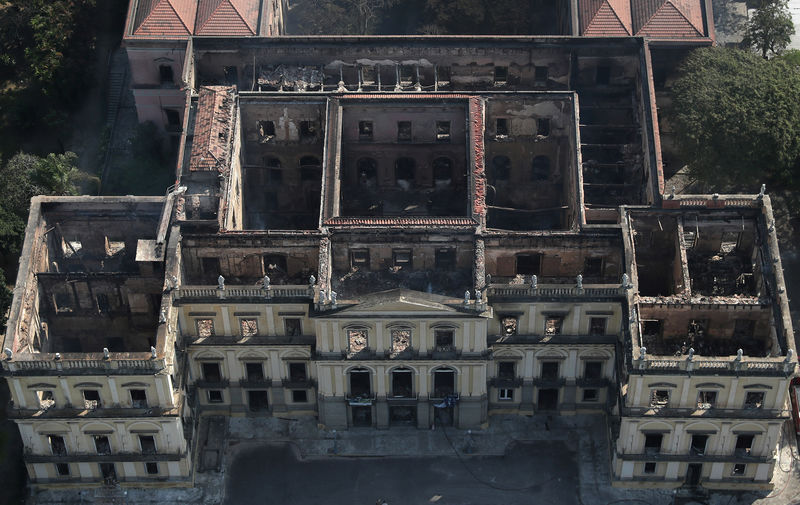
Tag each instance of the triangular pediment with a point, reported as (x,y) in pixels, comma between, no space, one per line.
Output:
(401,301)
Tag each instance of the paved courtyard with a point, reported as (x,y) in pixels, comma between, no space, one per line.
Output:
(516,460)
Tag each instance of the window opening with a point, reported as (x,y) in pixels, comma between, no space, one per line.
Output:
(360,383)
(211,372)
(529,264)
(357,340)
(659,398)
(500,75)
(297,372)
(506,394)
(706,399)
(543,127)
(550,370)
(505,370)
(215,396)
(138,398)
(402,383)
(652,443)
(597,326)
(148,444)
(102,445)
(205,328)
(754,400)
(445,259)
(401,258)
(91,399)
(365,130)
(293,327)
(593,370)
(509,324)
(249,327)
(698,444)
(404,131)
(299,396)
(401,340)
(590,395)
(266,130)
(444,382)
(553,325)
(443,131)
(501,127)
(57,445)
(255,372)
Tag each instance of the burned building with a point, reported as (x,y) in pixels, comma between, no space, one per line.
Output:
(385,232)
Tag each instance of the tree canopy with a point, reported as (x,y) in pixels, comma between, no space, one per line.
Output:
(770,29)
(735,117)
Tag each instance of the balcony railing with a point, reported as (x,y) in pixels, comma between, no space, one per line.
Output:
(690,412)
(242,292)
(45,362)
(555,290)
(656,364)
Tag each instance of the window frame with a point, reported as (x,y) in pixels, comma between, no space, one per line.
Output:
(242,324)
(505,394)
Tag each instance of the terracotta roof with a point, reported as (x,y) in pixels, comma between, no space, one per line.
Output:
(213,129)
(605,18)
(164,18)
(668,18)
(227,17)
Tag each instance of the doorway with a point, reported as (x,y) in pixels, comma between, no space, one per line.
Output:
(362,416)
(548,399)
(258,401)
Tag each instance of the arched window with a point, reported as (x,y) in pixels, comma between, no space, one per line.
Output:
(402,382)
(442,169)
(360,382)
(367,169)
(501,168)
(272,162)
(540,168)
(404,170)
(444,382)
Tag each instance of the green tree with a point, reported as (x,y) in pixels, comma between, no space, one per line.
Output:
(6,296)
(16,179)
(57,174)
(770,29)
(734,115)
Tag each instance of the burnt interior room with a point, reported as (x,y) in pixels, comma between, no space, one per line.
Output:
(366,265)
(407,158)
(203,264)
(613,166)
(530,163)
(282,163)
(673,331)
(658,261)
(99,281)
(722,256)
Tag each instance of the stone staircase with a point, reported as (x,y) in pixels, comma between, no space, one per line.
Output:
(118,70)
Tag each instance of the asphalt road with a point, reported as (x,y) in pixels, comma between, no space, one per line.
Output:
(543,472)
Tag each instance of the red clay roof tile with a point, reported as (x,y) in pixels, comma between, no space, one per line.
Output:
(668,18)
(164,18)
(227,17)
(605,18)
(213,129)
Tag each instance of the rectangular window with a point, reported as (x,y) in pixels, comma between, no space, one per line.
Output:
(404,131)
(293,327)
(401,258)
(744,444)
(550,370)
(297,372)
(62,469)
(166,74)
(543,127)
(501,127)
(597,326)
(651,328)
(308,130)
(603,75)
(255,371)
(365,130)
(505,370)
(151,468)
(528,264)
(102,445)
(553,325)
(205,327)
(593,267)
(652,442)
(706,399)
(509,324)
(593,370)
(148,444)
(214,396)
(46,399)
(443,73)
(359,258)
(444,339)
(266,130)
(356,340)
(540,74)
(506,394)
(443,131)
(754,400)
(739,469)
(91,399)
(650,468)
(299,396)
(138,398)
(57,445)
(173,118)
(248,327)
(590,395)
(659,398)
(500,75)
(698,445)
(401,340)
(211,372)
(445,259)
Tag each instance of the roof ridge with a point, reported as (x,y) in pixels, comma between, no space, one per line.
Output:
(241,16)
(679,12)
(616,14)
(152,9)
(660,8)
(175,10)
